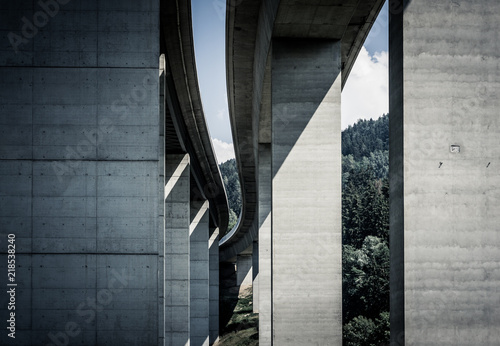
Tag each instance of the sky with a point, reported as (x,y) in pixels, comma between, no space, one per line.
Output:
(365,94)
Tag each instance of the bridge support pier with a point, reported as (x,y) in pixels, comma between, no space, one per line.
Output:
(244,271)
(214,285)
(444,168)
(199,271)
(177,250)
(306,193)
(255,276)
(265,245)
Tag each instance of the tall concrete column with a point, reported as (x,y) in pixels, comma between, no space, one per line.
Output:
(199,280)
(79,169)
(244,271)
(255,276)
(306,193)
(265,248)
(214,285)
(177,250)
(161,235)
(445,129)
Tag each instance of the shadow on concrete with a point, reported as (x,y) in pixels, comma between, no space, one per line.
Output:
(228,294)
(396,168)
(303,75)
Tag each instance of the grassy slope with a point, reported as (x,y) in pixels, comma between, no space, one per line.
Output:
(242,329)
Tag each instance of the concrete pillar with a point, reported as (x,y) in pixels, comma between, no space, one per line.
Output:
(255,275)
(244,271)
(265,248)
(177,250)
(306,193)
(444,101)
(214,286)
(161,234)
(80,167)
(199,280)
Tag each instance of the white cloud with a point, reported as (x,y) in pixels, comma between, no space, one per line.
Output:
(366,93)
(221,114)
(223,150)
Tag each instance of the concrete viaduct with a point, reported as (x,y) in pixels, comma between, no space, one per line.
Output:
(111,187)
(109,181)
(287,62)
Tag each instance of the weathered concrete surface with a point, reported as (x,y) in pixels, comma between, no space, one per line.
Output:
(396,166)
(199,274)
(306,191)
(244,271)
(177,250)
(265,246)
(255,277)
(162,199)
(80,169)
(214,285)
(445,83)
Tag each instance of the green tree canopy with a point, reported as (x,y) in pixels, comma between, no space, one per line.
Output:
(231,181)
(365,233)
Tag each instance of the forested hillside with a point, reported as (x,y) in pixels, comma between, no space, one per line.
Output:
(365,229)
(366,137)
(366,144)
(232,183)
(365,233)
